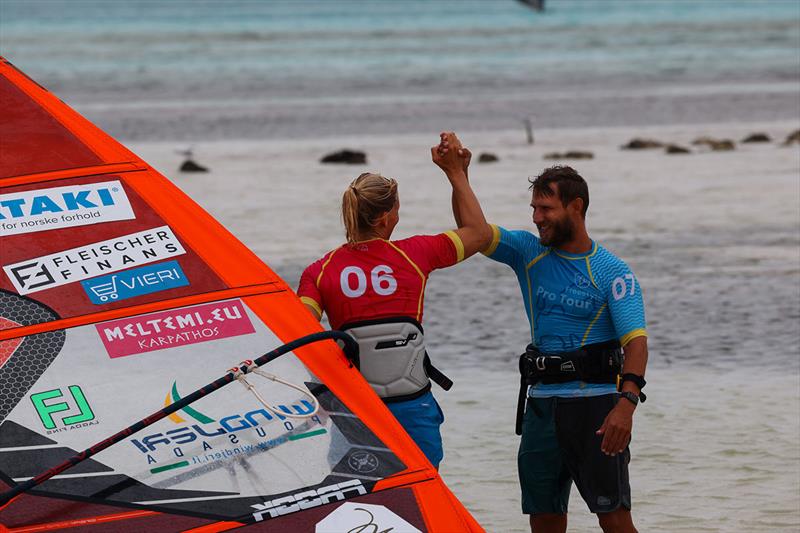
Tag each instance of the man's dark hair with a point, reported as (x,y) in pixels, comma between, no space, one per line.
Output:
(570,185)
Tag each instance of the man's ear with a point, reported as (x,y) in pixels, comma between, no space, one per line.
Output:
(576,207)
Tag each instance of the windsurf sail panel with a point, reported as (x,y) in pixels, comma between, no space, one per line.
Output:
(118,296)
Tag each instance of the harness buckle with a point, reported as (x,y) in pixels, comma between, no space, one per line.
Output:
(540,363)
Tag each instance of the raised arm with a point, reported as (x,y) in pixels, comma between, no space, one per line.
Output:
(473,230)
(466,157)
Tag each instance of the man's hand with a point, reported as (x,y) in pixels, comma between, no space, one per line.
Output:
(616,428)
(445,154)
(463,153)
(466,156)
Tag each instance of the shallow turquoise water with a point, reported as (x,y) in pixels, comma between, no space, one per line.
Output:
(193,70)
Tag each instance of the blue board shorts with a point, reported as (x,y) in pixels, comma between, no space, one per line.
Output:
(421,418)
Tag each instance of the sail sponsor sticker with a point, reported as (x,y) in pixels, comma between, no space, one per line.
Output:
(63,207)
(135,282)
(308,498)
(173,328)
(63,409)
(91,260)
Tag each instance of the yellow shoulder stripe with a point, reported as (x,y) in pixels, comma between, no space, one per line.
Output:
(421,275)
(457,243)
(589,270)
(495,241)
(628,337)
(537,259)
(586,333)
(412,263)
(313,303)
(587,256)
(325,264)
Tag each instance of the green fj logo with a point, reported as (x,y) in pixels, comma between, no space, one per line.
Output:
(74,405)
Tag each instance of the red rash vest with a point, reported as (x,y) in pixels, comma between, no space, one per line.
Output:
(377,278)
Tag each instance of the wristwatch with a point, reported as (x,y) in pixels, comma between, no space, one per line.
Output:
(631,397)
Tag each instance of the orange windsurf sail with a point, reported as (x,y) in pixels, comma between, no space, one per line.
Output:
(119,296)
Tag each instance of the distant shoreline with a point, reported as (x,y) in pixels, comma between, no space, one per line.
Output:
(305,119)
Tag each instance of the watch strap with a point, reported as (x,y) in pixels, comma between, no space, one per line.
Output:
(638,381)
(631,397)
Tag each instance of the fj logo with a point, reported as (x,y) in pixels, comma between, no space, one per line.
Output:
(73,406)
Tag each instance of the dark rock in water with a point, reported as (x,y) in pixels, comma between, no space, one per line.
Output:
(724,145)
(577,154)
(346,157)
(572,154)
(487,157)
(717,145)
(793,137)
(190,166)
(757,138)
(704,140)
(675,149)
(642,144)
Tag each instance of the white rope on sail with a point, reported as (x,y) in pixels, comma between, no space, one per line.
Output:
(251,368)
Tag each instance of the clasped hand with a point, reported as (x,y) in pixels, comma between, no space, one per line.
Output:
(450,155)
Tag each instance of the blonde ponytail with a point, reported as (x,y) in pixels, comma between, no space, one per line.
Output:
(364,201)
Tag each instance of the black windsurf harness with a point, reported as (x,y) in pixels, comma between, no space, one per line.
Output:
(593,363)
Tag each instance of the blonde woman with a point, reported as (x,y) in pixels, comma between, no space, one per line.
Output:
(373,288)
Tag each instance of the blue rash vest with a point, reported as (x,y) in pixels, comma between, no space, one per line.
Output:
(571,300)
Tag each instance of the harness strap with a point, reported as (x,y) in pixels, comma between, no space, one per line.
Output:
(523,396)
(436,375)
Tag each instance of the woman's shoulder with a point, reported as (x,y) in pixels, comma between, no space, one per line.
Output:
(417,240)
(431,251)
(319,263)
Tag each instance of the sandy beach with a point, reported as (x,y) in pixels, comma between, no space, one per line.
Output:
(714,238)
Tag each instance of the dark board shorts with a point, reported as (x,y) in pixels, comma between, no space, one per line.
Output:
(559,445)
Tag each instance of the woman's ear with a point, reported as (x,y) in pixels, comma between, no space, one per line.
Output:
(382,221)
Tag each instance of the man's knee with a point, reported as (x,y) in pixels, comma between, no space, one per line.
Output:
(548,523)
(618,521)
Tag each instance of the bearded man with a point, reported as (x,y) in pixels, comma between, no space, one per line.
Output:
(578,391)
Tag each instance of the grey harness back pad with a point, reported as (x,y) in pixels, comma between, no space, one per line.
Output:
(392,358)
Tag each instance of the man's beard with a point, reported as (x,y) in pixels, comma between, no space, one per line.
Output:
(560,232)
